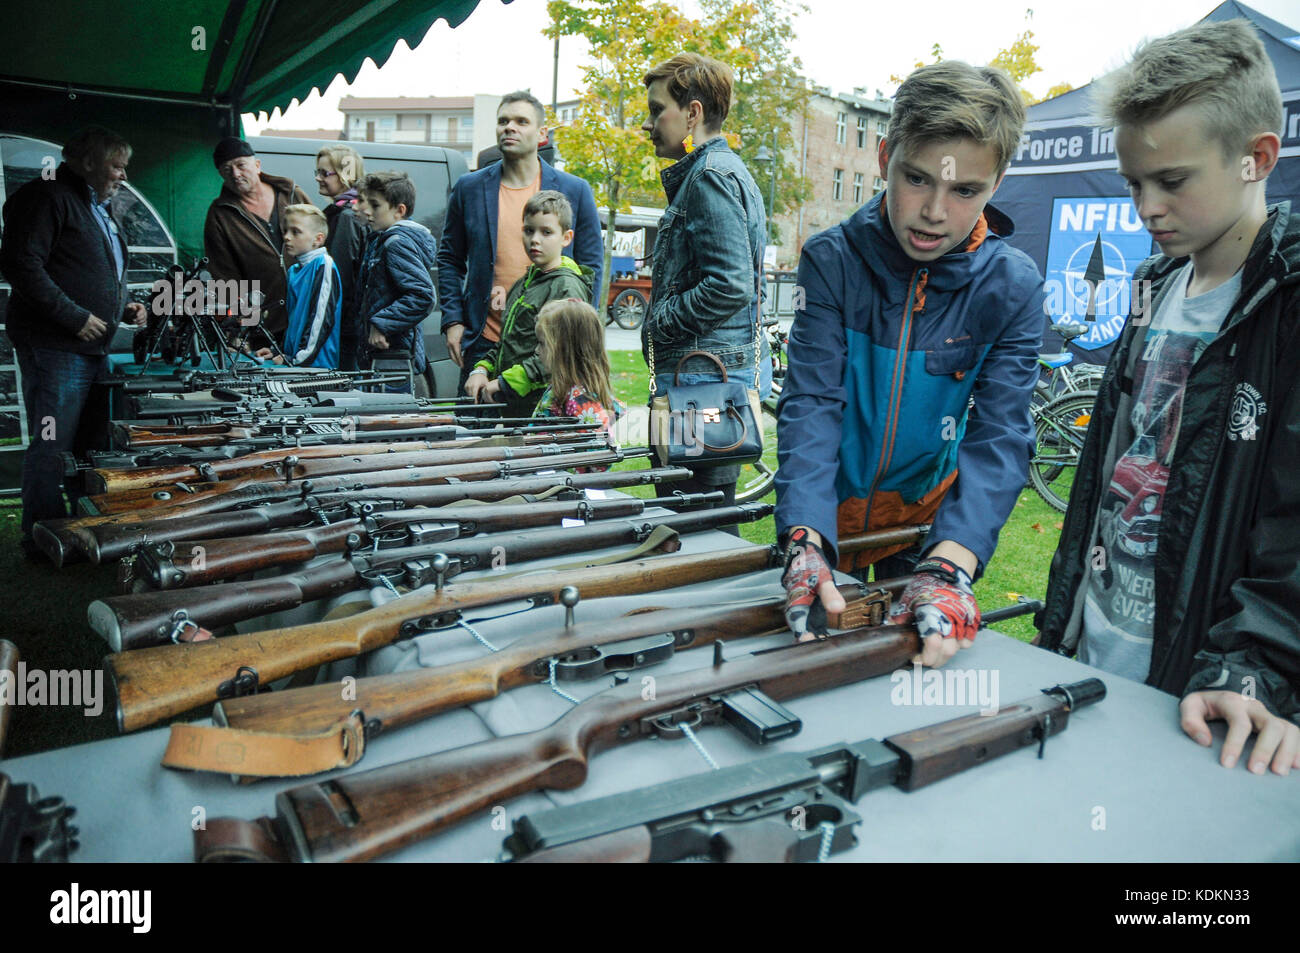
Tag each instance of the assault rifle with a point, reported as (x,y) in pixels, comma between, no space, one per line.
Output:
(303,731)
(395,805)
(295,468)
(105,541)
(143,619)
(139,473)
(789,807)
(231,403)
(156,683)
(176,565)
(57,538)
(269,380)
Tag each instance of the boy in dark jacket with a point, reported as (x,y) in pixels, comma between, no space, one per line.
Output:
(1179,563)
(911,366)
(513,374)
(395,286)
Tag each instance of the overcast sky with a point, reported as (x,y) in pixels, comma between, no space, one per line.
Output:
(843,44)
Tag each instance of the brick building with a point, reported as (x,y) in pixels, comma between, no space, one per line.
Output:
(834,148)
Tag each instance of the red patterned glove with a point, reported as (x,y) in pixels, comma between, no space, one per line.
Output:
(939,600)
(805,569)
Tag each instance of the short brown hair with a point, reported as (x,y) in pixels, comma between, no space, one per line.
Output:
(396,188)
(552,202)
(954,100)
(692,76)
(96,144)
(312,214)
(1221,67)
(524,96)
(347,163)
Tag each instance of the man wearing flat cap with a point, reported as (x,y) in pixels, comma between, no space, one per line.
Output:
(243,236)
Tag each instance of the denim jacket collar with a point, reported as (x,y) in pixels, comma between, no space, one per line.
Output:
(673,176)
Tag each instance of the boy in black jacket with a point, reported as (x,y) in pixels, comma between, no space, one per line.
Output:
(1179,563)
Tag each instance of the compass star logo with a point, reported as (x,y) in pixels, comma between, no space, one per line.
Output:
(1247,407)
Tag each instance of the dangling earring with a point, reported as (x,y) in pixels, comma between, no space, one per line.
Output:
(689,143)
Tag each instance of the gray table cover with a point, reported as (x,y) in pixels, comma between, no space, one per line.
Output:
(1121,784)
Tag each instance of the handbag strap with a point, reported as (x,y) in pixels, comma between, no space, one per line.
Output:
(706,354)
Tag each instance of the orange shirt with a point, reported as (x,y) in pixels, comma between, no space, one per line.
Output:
(511,259)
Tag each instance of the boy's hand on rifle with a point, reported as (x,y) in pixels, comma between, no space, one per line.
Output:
(940,602)
(1278,741)
(490,392)
(476,381)
(810,590)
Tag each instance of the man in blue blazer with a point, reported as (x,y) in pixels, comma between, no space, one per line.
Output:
(482,253)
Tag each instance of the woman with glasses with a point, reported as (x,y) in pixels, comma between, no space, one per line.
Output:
(338,170)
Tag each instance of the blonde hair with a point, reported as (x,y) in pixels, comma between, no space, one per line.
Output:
(314,216)
(575,341)
(954,100)
(1220,67)
(692,76)
(347,163)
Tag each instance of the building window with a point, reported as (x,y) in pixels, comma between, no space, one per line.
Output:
(841,125)
(882,127)
(862,132)
(467,122)
(877,185)
(838,192)
(857,188)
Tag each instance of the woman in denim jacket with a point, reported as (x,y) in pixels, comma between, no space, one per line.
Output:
(709,250)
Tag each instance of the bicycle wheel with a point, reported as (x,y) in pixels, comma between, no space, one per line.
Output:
(629,309)
(1059,431)
(756,478)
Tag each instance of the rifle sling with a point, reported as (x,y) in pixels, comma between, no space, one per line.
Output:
(247,755)
(255,754)
(526,498)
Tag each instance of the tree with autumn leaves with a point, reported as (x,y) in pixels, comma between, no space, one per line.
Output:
(604,143)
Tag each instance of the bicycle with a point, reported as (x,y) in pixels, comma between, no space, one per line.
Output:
(1060,427)
(1061,378)
(756,479)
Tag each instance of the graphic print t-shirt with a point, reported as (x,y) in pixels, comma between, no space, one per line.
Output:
(1119,605)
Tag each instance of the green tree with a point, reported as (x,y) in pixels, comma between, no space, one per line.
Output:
(605,145)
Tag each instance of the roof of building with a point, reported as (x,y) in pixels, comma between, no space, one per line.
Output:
(302,133)
(357,103)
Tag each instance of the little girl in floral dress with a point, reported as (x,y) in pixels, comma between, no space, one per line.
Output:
(571,343)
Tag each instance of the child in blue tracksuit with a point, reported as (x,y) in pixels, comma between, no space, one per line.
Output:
(911,365)
(314,299)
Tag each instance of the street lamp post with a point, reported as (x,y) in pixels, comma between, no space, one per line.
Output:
(766,157)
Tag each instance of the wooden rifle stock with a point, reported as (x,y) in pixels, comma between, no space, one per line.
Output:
(391,701)
(364,815)
(142,619)
(292,468)
(172,565)
(212,435)
(108,541)
(55,537)
(156,683)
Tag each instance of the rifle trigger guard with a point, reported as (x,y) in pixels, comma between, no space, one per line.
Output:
(669,724)
(595,661)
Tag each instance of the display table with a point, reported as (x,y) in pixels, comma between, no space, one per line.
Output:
(1122,783)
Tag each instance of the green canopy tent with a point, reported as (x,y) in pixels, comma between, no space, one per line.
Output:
(174,78)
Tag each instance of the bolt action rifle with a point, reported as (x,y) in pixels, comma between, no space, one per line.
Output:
(142,619)
(155,683)
(104,542)
(176,565)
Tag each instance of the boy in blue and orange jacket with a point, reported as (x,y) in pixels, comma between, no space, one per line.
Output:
(911,364)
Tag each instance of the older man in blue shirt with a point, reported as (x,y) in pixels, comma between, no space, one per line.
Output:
(65,256)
